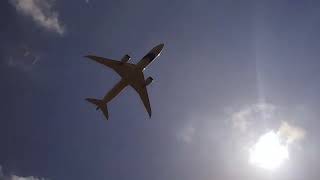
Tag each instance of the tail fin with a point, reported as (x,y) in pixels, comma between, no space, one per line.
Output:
(100,105)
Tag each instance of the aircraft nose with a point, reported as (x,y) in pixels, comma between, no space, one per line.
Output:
(158,49)
(160,46)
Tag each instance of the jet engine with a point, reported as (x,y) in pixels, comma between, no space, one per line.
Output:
(149,81)
(125,58)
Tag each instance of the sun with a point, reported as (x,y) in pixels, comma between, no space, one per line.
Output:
(269,152)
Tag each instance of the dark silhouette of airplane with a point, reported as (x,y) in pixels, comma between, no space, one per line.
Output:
(131,74)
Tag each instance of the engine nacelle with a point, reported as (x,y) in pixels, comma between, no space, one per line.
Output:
(125,58)
(149,81)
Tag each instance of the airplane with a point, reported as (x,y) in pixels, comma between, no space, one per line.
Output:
(131,75)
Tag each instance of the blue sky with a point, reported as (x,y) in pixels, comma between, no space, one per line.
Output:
(225,65)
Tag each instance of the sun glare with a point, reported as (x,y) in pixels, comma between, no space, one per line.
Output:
(268,152)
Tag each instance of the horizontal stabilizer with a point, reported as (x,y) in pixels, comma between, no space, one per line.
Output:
(100,105)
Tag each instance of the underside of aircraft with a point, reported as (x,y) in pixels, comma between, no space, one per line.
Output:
(131,75)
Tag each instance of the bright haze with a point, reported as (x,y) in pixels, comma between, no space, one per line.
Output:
(235,92)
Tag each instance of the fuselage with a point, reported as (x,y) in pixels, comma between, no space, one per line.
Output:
(132,73)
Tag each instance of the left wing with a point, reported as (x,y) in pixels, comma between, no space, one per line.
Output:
(117,66)
(139,85)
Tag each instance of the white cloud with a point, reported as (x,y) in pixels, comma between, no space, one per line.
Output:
(41,12)
(15,177)
(248,119)
(271,149)
(242,119)
(186,134)
(290,133)
(22,58)
(250,122)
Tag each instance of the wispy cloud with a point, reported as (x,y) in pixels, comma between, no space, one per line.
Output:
(41,12)
(241,120)
(186,134)
(22,58)
(257,118)
(290,133)
(15,177)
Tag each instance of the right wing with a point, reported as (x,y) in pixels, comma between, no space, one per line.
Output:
(143,93)
(117,66)
(139,86)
